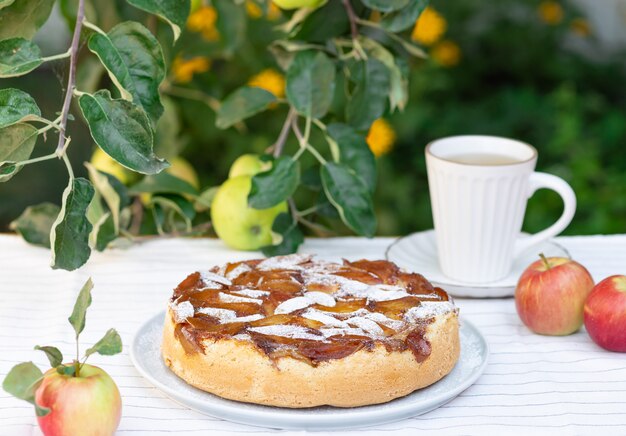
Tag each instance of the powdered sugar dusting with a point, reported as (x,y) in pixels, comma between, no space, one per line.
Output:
(228,298)
(237,271)
(428,309)
(333,331)
(221,314)
(381,319)
(254,293)
(289,262)
(182,311)
(210,278)
(287,331)
(317,275)
(366,325)
(323,317)
(321,298)
(292,305)
(306,300)
(248,318)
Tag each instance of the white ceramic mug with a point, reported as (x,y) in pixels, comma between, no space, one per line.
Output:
(478,209)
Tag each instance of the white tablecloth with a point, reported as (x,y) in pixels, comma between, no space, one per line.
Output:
(538,384)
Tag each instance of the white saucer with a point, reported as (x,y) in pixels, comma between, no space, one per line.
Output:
(418,252)
(145,354)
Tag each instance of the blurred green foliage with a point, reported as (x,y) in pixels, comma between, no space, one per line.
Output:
(517,76)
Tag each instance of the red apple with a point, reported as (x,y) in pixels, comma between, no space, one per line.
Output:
(605,313)
(550,295)
(89,404)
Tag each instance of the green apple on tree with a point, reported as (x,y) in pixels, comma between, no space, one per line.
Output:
(295,4)
(182,169)
(103,162)
(71,398)
(237,224)
(248,165)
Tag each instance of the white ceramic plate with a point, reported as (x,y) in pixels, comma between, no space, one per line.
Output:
(418,252)
(146,356)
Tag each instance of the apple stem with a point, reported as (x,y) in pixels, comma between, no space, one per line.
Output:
(77,361)
(545,261)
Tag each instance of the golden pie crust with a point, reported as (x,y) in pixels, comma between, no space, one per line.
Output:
(349,363)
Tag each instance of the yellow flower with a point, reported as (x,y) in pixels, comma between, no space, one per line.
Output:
(550,12)
(184,69)
(580,27)
(429,27)
(273,11)
(255,11)
(381,137)
(203,20)
(270,80)
(375,16)
(446,53)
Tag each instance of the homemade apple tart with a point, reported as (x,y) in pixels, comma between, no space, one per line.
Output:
(294,331)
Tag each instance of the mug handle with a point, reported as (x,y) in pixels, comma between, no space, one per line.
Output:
(537,181)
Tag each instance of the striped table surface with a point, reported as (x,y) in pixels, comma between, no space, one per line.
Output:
(551,385)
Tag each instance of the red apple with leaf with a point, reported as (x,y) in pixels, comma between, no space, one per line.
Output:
(605,313)
(73,398)
(550,295)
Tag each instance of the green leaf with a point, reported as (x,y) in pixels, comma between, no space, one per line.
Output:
(241,104)
(231,24)
(53,354)
(205,199)
(16,106)
(311,83)
(109,194)
(16,144)
(110,344)
(103,232)
(403,18)
(23,18)
(22,382)
(79,313)
(286,234)
(68,370)
(35,223)
(18,56)
(350,196)
(385,5)
(122,130)
(119,187)
(398,83)
(163,183)
(5,3)
(175,12)
(171,209)
(69,238)
(354,152)
(134,60)
(324,23)
(166,140)
(369,98)
(8,170)
(324,207)
(276,185)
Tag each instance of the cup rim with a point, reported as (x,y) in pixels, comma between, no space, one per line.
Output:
(428,151)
